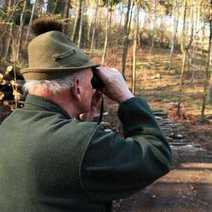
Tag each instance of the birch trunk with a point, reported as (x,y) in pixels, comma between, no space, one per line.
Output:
(31,19)
(136,28)
(183,49)
(108,24)
(125,39)
(174,35)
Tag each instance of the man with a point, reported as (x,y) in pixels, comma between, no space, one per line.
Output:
(52,161)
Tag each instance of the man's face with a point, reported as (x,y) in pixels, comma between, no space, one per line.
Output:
(86,90)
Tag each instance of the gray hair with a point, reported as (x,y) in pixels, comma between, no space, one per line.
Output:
(54,86)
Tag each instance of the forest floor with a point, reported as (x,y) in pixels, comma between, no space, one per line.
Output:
(188,186)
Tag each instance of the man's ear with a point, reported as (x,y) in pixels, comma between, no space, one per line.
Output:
(76,90)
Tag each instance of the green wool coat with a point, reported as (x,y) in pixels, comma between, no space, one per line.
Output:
(51,163)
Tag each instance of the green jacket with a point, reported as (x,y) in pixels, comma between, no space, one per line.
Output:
(51,163)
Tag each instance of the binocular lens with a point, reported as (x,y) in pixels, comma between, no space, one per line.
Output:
(96,82)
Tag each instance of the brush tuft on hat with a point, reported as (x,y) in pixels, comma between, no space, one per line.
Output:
(46,24)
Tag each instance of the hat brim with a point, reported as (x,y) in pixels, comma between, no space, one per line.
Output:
(43,73)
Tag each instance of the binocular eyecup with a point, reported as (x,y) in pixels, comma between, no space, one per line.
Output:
(96,82)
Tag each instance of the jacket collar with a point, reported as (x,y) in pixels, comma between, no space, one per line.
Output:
(42,104)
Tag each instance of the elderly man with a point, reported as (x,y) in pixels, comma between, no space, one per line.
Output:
(51,161)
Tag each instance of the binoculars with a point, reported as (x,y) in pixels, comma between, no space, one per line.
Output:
(96,82)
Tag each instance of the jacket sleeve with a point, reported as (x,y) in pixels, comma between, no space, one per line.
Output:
(115,167)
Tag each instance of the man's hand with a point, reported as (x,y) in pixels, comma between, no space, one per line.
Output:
(115,87)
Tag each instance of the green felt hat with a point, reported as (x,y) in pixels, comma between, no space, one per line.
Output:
(52,55)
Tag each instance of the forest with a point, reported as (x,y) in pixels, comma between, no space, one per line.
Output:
(163,48)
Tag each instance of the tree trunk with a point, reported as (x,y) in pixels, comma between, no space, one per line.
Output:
(207,73)
(181,84)
(121,18)
(209,92)
(94,25)
(154,25)
(197,28)
(108,25)
(183,49)
(66,14)
(54,11)
(10,3)
(9,38)
(191,38)
(80,31)
(31,19)
(90,23)
(135,38)
(56,7)
(174,35)
(20,33)
(125,39)
(130,17)
(77,22)
(66,9)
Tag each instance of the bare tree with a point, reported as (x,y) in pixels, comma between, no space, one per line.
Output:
(8,41)
(80,30)
(185,47)
(154,25)
(125,39)
(66,14)
(107,26)
(10,6)
(94,25)
(20,32)
(135,38)
(66,9)
(31,19)
(174,32)
(77,22)
(210,91)
(207,73)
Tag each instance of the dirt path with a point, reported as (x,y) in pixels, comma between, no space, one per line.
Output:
(188,187)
